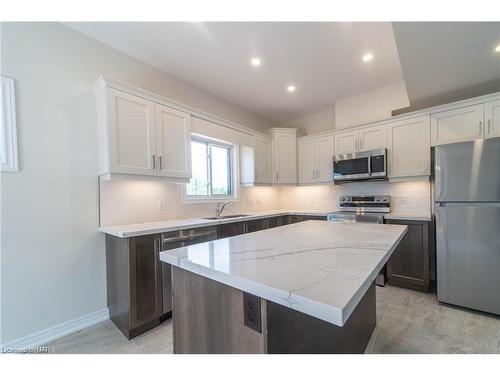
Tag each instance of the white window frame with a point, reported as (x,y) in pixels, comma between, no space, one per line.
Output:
(234,180)
(8,139)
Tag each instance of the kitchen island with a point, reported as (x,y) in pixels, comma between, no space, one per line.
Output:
(301,288)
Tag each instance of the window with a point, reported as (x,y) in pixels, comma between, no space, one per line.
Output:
(211,170)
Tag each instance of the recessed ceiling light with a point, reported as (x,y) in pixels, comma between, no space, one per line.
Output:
(367,57)
(497,48)
(255,61)
(291,88)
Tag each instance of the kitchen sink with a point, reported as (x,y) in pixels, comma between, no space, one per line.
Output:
(224,217)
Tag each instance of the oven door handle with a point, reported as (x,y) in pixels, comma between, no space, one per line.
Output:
(369,165)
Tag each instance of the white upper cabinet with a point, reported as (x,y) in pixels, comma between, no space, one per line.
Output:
(131,134)
(409,149)
(364,139)
(142,137)
(372,138)
(324,158)
(284,155)
(315,159)
(492,119)
(306,149)
(263,163)
(457,125)
(247,165)
(173,137)
(346,142)
(255,162)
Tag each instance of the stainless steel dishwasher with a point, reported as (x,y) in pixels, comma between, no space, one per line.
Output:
(173,240)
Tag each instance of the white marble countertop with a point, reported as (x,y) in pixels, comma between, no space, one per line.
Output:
(408,216)
(141,229)
(320,268)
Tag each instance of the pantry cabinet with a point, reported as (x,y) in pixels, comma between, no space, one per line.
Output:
(140,136)
(315,159)
(363,139)
(284,155)
(409,149)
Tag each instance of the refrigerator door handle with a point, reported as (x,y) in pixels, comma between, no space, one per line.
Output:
(467,204)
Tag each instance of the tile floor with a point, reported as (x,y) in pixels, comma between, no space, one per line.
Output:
(408,322)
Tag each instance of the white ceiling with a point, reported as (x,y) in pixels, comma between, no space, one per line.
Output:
(441,58)
(323,60)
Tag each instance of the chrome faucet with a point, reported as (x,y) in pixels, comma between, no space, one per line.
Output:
(220,207)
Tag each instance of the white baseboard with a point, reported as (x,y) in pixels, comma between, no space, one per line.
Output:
(49,334)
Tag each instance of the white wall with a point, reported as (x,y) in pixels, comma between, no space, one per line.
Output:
(356,110)
(53,260)
(319,121)
(372,106)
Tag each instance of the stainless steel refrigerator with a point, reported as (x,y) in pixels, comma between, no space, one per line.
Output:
(467,191)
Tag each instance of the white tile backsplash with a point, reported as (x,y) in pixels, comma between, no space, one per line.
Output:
(129,201)
(416,193)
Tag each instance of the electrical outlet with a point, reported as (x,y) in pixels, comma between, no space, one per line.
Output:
(403,201)
(161,205)
(251,312)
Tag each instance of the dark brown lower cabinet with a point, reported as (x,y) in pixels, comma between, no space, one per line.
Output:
(408,267)
(298,218)
(255,225)
(134,273)
(229,230)
(134,283)
(276,221)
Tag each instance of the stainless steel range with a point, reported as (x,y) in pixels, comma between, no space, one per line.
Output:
(362,208)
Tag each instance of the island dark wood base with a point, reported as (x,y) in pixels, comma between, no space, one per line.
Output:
(208,317)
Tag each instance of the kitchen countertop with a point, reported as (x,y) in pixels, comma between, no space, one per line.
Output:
(320,268)
(141,229)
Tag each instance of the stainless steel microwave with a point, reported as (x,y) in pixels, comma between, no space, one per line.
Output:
(366,165)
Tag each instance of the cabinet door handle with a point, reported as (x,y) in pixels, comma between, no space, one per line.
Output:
(356,144)
(154,161)
(489,126)
(277,176)
(159,162)
(480,127)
